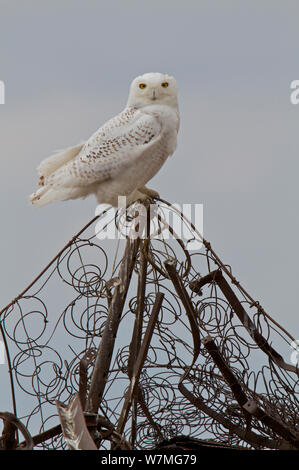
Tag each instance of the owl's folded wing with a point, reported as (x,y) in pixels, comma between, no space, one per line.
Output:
(109,151)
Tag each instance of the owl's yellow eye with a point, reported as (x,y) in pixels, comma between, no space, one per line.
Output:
(164,84)
(142,86)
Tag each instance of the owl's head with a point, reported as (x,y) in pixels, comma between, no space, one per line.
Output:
(153,88)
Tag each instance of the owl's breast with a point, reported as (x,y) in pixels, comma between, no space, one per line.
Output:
(151,156)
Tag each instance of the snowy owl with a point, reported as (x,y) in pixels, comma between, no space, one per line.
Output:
(122,155)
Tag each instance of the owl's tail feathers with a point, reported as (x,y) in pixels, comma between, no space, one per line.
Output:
(43,196)
(47,194)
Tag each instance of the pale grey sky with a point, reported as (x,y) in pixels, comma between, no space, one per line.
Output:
(67,66)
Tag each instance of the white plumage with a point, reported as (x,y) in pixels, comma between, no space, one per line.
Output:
(123,154)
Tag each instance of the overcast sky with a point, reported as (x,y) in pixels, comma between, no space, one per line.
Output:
(67,66)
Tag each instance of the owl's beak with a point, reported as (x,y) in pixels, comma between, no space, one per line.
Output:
(154,97)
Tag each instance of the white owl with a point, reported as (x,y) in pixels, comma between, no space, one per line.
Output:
(123,154)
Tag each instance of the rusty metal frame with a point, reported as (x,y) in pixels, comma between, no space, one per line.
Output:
(85,421)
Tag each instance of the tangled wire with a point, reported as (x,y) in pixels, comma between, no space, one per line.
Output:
(183,349)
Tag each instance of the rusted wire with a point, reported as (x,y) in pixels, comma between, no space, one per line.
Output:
(55,330)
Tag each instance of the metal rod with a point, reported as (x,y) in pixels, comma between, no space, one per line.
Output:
(106,346)
(105,350)
(140,361)
(137,331)
(275,424)
(170,266)
(8,439)
(246,435)
(225,370)
(217,276)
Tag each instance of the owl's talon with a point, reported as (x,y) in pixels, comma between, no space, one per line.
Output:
(149,192)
